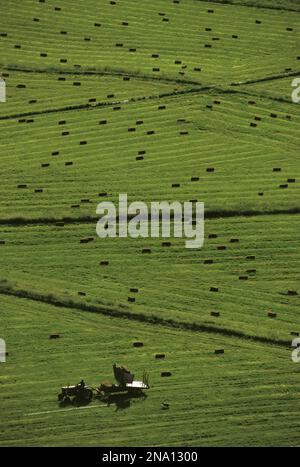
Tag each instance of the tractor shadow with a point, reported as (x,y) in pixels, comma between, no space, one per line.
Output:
(75,403)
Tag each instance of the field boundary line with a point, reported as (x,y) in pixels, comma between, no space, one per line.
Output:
(139,317)
(261,7)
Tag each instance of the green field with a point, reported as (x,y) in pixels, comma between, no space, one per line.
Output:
(202,91)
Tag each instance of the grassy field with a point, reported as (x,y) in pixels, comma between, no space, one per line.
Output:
(176,100)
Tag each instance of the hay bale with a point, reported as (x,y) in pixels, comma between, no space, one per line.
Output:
(134,290)
(258,119)
(250,257)
(55,153)
(150,132)
(38,190)
(219,351)
(234,36)
(82,294)
(69,163)
(175,185)
(104,263)
(208,46)
(103,122)
(22,185)
(138,344)
(141,152)
(257,21)
(165,374)
(243,278)
(221,247)
(62,122)
(210,169)
(291,180)
(208,261)
(292,292)
(103,194)
(2,242)
(54,336)
(273,115)
(155,55)
(126,78)
(251,271)
(160,356)
(214,289)
(271,314)
(277,169)
(166,244)
(155,69)
(234,240)
(284,185)
(197,69)
(254,125)
(139,122)
(216,314)
(212,235)
(294,333)
(261,193)
(117,108)
(210,11)
(251,102)
(63,60)
(131,299)
(209,106)
(161,107)
(75,206)
(132,50)
(85,200)
(139,158)
(130,130)
(110,96)
(43,54)
(119,44)
(146,251)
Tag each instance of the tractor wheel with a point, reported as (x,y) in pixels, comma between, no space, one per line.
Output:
(88,395)
(60,397)
(67,400)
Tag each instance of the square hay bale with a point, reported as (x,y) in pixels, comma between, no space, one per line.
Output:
(277,169)
(234,36)
(103,122)
(160,356)
(18,46)
(250,257)
(210,11)
(75,206)
(166,374)
(139,122)
(289,29)
(243,278)
(146,251)
(292,292)
(131,299)
(65,133)
(208,261)
(117,108)
(155,69)
(110,96)
(76,83)
(155,55)
(165,19)
(55,153)
(219,351)
(138,344)
(257,21)
(234,240)
(175,185)
(212,235)
(63,60)
(43,54)
(104,263)
(21,86)
(208,46)
(195,179)
(22,185)
(62,122)
(85,200)
(291,180)
(161,107)
(210,169)
(61,78)
(141,152)
(166,244)
(251,271)
(294,333)
(38,190)
(271,314)
(45,165)
(251,102)
(214,289)
(54,336)
(283,185)
(131,130)
(216,314)
(209,106)
(221,247)
(177,62)
(124,23)
(119,44)
(132,50)
(63,32)
(197,69)
(126,78)
(254,125)
(134,290)
(82,294)
(2,242)
(68,163)
(258,119)
(150,132)
(139,158)
(103,194)
(273,115)
(32,101)
(82,143)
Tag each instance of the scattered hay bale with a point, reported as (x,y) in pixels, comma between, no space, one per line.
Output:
(277,169)
(210,169)
(155,55)
(257,21)
(258,119)
(234,36)
(146,251)
(125,23)
(292,292)
(216,314)
(271,314)
(103,122)
(110,96)
(55,153)
(251,271)
(87,239)
(85,200)
(221,247)
(254,125)
(243,278)
(234,240)
(208,46)
(104,263)
(291,180)
(119,44)
(289,29)
(175,185)
(132,50)
(82,294)
(29,121)
(131,299)
(76,83)
(141,152)
(138,344)
(63,60)
(219,351)
(209,106)
(82,143)
(166,244)
(210,11)
(208,29)
(212,235)
(68,163)
(61,78)
(165,374)
(18,46)
(117,108)
(65,133)
(75,206)
(2,242)
(139,122)
(197,69)
(103,194)
(183,132)
(21,86)
(38,190)
(43,54)
(150,132)
(22,185)
(283,185)
(160,356)
(273,115)
(208,261)
(214,289)
(134,290)
(126,78)
(45,165)
(177,62)
(294,333)
(155,69)
(130,130)
(250,257)
(251,102)
(161,107)
(139,158)
(54,336)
